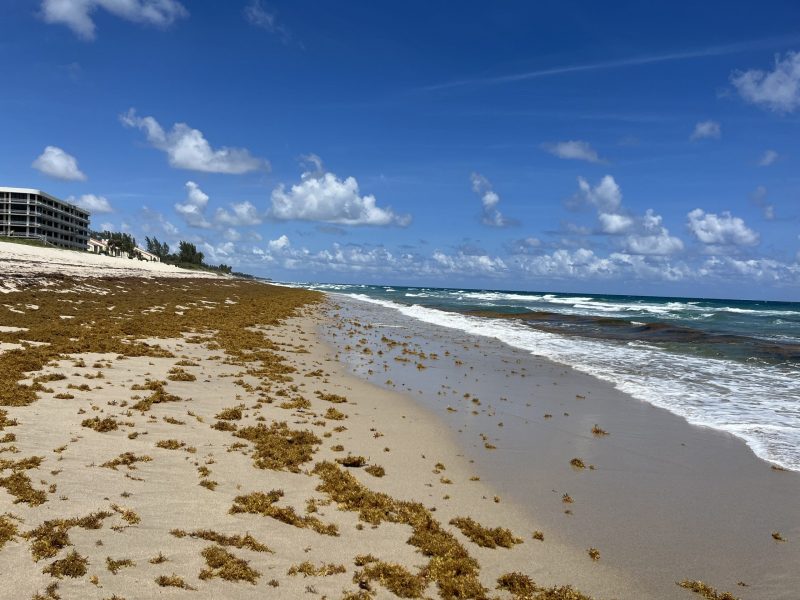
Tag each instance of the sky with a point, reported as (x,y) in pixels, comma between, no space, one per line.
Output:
(627,147)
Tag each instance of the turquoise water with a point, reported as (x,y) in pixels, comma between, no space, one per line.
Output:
(732,365)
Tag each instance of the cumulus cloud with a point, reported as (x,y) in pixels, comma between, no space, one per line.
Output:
(324,197)
(643,235)
(769,157)
(574,150)
(57,163)
(92,203)
(777,90)
(192,210)
(489,199)
(614,224)
(469,263)
(241,214)
(187,148)
(706,130)
(653,239)
(77,14)
(719,231)
(606,196)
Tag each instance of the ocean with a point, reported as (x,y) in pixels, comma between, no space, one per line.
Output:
(732,365)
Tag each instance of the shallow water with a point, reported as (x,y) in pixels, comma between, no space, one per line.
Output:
(732,365)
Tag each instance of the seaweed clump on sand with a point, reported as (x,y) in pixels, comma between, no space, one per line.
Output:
(225,565)
(706,591)
(264,504)
(126,459)
(173,581)
(8,530)
(237,541)
(52,536)
(279,448)
(307,569)
(394,577)
(522,587)
(73,565)
(485,537)
(18,484)
(117,319)
(101,425)
(450,566)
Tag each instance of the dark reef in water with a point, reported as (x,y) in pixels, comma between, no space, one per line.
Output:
(708,343)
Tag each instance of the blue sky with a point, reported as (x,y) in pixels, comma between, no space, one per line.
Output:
(644,148)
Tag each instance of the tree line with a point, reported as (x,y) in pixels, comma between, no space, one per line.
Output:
(187,256)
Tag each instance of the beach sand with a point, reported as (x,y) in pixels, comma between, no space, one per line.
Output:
(142,456)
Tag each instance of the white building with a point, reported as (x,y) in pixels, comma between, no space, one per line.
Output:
(34,214)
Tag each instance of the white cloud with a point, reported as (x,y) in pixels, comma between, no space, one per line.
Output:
(193,209)
(614,224)
(574,150)
(280,244)
(77,14)
(257,15)
(654,239)
(769,157)
(467,263)
(720,230)
(489,199)
(241,214)
(322,196)
(187,148)
(57,163)
(706,130)
(606,196)
(92,203)
(777,90)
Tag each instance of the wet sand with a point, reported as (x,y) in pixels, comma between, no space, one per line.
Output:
(665,501)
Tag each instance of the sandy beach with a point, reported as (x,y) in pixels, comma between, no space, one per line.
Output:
(220,438)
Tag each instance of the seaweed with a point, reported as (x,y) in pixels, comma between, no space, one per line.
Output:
(115,565)
(73,565)
(279,448)
(172,581)
(483,536)
(126,459)
(706,591)
(394,577)
(227,566)
(101,425)
(237,541)
(307,569)
(264,504)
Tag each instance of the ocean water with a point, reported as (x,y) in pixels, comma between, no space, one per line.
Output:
(732,365)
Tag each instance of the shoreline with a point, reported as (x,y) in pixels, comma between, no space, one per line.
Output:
(664,495)
(169,472)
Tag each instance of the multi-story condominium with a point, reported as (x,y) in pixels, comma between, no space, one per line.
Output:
(27,213)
